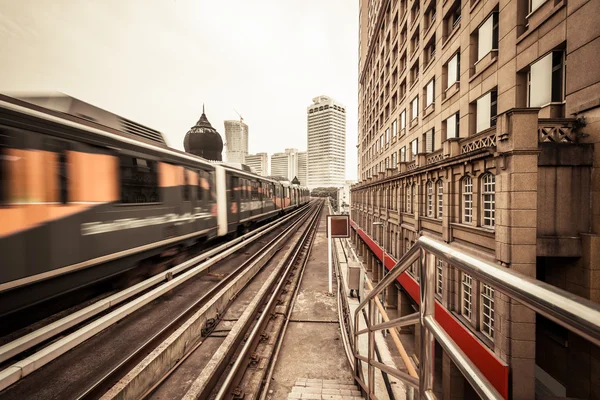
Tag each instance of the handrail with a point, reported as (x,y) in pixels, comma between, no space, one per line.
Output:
(575,313)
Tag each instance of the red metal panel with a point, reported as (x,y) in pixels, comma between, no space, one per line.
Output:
(494,369)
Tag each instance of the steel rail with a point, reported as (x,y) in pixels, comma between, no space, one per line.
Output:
(273,361)
(251,337)
(95,390)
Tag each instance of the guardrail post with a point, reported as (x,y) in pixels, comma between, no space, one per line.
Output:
(371,353)
(426,363)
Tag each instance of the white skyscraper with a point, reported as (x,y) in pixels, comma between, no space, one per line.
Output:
(236,141)
(285,164)
(326,143)
(258,163)
(303,168)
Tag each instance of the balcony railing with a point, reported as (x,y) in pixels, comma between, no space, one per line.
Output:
(575,313)
(486,138)
(557,131)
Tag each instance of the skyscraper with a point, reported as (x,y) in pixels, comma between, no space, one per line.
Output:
(326,143)
(285,164)
(303,168)
(258,163)
(236,141)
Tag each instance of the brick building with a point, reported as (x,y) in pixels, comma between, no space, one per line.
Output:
(478,126)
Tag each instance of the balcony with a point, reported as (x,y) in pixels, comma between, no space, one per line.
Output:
(483,140)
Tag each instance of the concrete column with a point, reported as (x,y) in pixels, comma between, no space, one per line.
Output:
(453,381)
(516,231)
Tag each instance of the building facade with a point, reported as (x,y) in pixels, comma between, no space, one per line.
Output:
(303,168)
(326,143)
(473,131)
(236,141)
(258,163)
(285,164)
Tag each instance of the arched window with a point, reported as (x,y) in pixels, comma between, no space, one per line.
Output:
(440,198)
(489,200)
(467,204)
(430,209)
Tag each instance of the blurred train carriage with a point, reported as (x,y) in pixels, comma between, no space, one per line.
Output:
(86,194)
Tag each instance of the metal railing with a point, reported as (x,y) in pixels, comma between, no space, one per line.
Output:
(575,313)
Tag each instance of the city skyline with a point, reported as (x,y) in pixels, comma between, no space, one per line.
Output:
(163,85)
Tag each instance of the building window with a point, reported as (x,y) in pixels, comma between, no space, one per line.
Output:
(545,80)
(487,310)
(439,277)
(430,141)
(408,199)
(387,136)
(429,93)
(394,160)
(453,67)
(403,119)
(440,198)
(414,198)
(535,4)
(486,111)
(489,200)
(403,154)
(466,295)
(414,148)
(395,128)
(414,108)
(467,199)
(487,36)
(430,209)
(452,126)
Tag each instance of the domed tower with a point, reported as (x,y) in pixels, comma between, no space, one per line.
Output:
(203,140)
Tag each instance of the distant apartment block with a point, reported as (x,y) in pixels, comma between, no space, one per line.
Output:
(285,164)
(303,168)
(258,163)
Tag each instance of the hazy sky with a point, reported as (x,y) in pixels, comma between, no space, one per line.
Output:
(157,61)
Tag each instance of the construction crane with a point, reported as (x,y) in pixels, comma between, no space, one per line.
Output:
(239,115)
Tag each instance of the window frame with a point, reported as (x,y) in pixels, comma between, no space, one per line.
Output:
(488,199)
(430,195)
(467,200)
(487,310)
(440,198)
(466,295)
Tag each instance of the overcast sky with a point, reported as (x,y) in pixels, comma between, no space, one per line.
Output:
(157,61)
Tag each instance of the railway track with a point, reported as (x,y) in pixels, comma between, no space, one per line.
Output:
(29,364)
(237,356)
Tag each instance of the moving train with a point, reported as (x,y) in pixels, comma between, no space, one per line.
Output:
(86,195)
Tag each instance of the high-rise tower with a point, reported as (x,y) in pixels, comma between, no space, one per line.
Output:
(326,143)
(236,140)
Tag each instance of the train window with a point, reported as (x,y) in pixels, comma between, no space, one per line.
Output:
(233,186)
(139,180)
(186,186)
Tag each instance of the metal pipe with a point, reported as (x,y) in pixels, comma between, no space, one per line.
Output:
(481,385)
(407,320)
(575,313)
(426,360)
